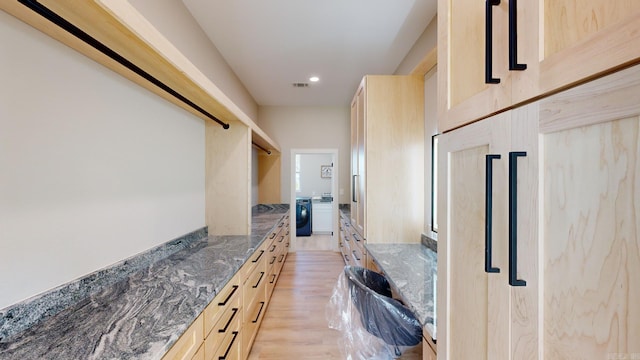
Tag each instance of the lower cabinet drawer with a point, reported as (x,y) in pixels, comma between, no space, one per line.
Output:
(199,354)
(229,349)
(253,289)
(228,297)
(251,324)
(189,343)
(358,257)
(271,281)
(230,321)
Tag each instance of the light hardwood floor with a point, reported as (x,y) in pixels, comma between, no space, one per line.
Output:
(294,326)
(315,242)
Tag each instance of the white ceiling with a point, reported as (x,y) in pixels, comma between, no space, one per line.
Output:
(271,44)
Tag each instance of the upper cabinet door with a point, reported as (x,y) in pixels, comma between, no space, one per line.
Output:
(473,76)
(566,42)
(496,54)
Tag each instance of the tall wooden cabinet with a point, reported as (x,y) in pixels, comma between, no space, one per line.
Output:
(561,278)
(387,164)
(476,283)
(496,54)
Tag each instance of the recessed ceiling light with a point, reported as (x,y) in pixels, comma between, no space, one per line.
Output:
(314,79)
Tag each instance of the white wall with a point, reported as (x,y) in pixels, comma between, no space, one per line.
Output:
(175,22)
(309,128)
(93,168)
(425,43)
(311,183)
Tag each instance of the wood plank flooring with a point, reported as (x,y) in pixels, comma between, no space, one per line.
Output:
(294,326)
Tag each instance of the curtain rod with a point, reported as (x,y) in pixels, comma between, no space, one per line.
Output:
(88,39)
(261,148)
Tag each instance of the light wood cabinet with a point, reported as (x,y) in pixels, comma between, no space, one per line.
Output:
(480,306)
(589,222)
(222,317)
(358,164)
(387,133)
(530,49)
(568,195)
(189,343)
(427,351)
(227,327)
(352,244)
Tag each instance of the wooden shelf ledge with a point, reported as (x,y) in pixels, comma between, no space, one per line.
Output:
(120,27)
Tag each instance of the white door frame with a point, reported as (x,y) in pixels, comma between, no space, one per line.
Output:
(334,188)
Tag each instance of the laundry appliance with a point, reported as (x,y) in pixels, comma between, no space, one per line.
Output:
(303,216)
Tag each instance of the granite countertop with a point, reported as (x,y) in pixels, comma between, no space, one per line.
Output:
(411,269)
(143,315)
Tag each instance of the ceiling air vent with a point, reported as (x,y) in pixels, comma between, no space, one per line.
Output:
(301,85)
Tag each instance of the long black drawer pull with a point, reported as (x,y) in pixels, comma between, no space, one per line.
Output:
(353,189)
(488,219)
(488,43)
(355,256)
(259,279)
(513,218)
(259,312)
(235,287)
(223,330)
(226,353)
(258,258)
(513,37)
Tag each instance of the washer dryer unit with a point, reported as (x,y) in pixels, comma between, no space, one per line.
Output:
(303,216)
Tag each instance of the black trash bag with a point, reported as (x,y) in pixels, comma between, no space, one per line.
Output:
(374,325)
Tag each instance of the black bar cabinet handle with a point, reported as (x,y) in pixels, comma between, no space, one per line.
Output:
(226,326)
(513,218)
(355,256)
(258,258)
(235,287)
(259,279)
(353,189)
(488,219)
(513,37)
(259,312)
(488,43)
(226,353)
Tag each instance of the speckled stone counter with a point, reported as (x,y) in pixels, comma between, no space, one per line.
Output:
(141,316)
(411,269)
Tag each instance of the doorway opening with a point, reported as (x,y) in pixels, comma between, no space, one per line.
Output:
(314,199)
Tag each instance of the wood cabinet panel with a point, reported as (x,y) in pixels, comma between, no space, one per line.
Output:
(228,297)
(590,237)
(393,109)
(578,247)
(427,351)
(558,43)
(189,343)
(474,305)
(561,16)
(229,322)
